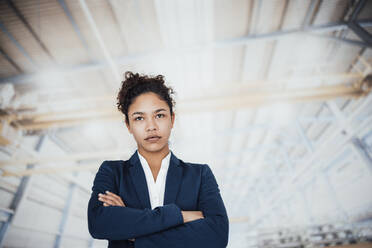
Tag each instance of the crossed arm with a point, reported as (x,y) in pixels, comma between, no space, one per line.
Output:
(167,224)
(110,199)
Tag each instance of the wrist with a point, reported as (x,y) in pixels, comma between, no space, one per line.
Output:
(183,216)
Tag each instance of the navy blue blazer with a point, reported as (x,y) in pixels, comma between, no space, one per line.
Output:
(189,186)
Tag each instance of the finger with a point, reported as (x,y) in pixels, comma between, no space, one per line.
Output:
(107,197)
(113,199)
(102,197)
(118,198)
(110,193)
(105,204)
(113,195)
(108,200)
(112,203)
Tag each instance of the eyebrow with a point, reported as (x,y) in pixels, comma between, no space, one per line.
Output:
(141,113)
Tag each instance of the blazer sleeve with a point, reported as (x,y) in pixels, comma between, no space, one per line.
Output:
(212,231)
(121,223)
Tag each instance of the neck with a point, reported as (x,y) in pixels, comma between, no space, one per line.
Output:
(154,158)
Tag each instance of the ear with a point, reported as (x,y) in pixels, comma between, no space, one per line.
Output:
(129,129)
(172,119)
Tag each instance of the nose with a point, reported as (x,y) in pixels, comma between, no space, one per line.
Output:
(151,125)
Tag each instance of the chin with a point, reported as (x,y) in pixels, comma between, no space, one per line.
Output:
(154,147)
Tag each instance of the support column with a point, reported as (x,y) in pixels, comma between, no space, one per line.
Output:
(19,196)
(66,211)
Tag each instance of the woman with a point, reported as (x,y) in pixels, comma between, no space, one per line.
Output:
(155,199)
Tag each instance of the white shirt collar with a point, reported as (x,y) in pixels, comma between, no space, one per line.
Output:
(164,162)
(156,189)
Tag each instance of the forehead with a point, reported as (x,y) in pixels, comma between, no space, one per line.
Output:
(147,102)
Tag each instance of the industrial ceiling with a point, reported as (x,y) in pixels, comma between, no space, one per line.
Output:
(274,95)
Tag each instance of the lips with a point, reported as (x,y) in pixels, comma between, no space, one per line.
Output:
(153,138)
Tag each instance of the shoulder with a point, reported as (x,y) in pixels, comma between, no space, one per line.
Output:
(194,166)
(111,165)
(199,167)
(201,171)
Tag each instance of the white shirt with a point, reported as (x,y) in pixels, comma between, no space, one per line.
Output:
(156,189)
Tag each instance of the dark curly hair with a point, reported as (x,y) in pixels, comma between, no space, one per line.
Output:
(135,85)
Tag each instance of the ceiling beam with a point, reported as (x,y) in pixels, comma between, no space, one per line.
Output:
(97,34)
(76,27)
(122,60)
(209,103)
(29,28)
(50,170)
(19,47)
(10,60)
(68,158)
(309,162)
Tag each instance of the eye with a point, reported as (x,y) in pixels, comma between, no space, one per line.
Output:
(162,115)
(136,119)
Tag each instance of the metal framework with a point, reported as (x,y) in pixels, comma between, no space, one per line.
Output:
(19,197)
(222,43)
(313,151)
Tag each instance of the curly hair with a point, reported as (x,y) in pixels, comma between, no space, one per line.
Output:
(135,84)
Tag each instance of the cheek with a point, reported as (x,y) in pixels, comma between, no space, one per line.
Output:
(167,126)
(137,131)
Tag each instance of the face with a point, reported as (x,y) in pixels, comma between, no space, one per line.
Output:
(149,116)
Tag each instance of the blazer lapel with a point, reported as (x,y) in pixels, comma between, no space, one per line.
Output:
(139,180)
(173,180)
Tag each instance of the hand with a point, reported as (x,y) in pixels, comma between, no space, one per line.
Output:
(191,215)
(110,199)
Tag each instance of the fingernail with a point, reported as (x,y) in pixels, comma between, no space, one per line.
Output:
(99,194)
(107,191)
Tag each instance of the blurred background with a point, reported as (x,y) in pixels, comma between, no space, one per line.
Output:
(274,95)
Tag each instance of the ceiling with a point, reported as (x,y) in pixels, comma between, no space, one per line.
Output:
(273,95)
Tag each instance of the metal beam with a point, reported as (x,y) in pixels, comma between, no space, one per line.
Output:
(10,60)
(101,43)
(69,235)
(60,170)
(308,162)
(307,206)
(68,158)
(277,34)
(356,11)
(357,29)
(257,161)
(18,45)
(248,100)
(344,40)
(361,32)
(91,243)
(75,26)
(311,12)
(95,65)
(272,48)
(362,151)
(305,139)
(333,194)
(343,121)
(19,196)
(65,214)
(29,28)
(246,85)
